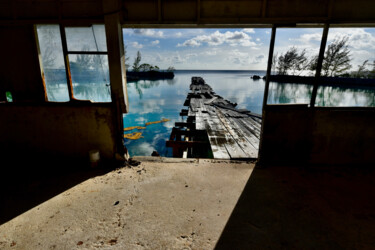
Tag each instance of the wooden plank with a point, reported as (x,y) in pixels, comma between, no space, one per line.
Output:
(224,137)
(249,136)
(219,151)
(239,136)
(247,126)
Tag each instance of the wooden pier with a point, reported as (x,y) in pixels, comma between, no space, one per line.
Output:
(214,128)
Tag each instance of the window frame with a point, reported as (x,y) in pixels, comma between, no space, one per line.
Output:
(66,54)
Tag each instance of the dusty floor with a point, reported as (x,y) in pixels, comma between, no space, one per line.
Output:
(156,205)
(190,205)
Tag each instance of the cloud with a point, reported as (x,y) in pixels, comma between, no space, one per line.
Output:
(307,38)
(358,38)
(137,45)
(178,34)
(258,59)
(248,30)
(217,38)
(148,32)
(156,42)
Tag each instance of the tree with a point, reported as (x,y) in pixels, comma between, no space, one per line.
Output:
(137,61)
(127,65)
(292,61)
(171,69)
(372,72)
(361,72)
(337,58)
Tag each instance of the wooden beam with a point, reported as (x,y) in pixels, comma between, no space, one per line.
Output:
(66,61)
(264,8)
(319,65)
(116,61)
(269,66)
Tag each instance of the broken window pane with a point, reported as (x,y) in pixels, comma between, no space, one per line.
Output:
(90,77)
(86,38)
(53,62)
(348,68)
(293,71)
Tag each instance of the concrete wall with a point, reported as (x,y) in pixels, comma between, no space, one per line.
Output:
(20,71)
(32,127)
(56,131)
(298,134)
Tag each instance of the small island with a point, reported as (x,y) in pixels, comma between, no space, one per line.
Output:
(147,71)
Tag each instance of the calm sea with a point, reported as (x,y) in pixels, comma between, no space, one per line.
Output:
(154,100)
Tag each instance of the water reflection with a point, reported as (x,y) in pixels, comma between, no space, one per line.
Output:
(289,93)
(329,96)
(154,100)
(96,92)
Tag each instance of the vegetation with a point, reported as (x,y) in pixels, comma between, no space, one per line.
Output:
(336,62)
(145,67)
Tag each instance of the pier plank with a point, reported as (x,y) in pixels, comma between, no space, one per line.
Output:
(232,133)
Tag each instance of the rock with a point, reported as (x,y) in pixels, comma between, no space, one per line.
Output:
(155,153)
(116,203)
(255,77)
(132,162)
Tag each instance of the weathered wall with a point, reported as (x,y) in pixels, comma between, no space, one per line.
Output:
(56,131)
(298,134)
(20,71)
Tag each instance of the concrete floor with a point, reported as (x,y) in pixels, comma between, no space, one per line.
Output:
(171,204)
(190,204)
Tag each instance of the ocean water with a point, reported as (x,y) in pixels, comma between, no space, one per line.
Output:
(154,100)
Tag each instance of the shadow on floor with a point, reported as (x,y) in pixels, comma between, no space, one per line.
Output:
(304,208)
(24,186)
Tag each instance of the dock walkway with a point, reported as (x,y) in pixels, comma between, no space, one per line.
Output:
(232,133)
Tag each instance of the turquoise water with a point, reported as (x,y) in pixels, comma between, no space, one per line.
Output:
(155,100)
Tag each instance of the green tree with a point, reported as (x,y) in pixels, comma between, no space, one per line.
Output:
(127,65)
(362,72)
(336,58)
(171,69)
(292,61)
(137,62)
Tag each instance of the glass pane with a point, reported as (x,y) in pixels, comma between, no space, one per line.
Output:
(53,62)
(348,69)
(86,38)
(293,68)
(90,77)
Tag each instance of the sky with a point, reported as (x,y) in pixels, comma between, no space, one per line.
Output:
(236,49)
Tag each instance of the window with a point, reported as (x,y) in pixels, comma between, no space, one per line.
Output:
(87,62)
(348,69)
(296,50)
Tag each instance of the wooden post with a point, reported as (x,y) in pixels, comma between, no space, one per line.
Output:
(269,66)
(265,97)
(116,61)
(319,65)
(66,61)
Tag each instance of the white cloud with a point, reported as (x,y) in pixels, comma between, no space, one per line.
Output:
(258,39)
(156,42)
(217,38)
(149,32)
(358,38)
(248,30)
(178,34)
(137,45)
(258,59)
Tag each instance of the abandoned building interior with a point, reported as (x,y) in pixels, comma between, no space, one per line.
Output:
(313,184)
